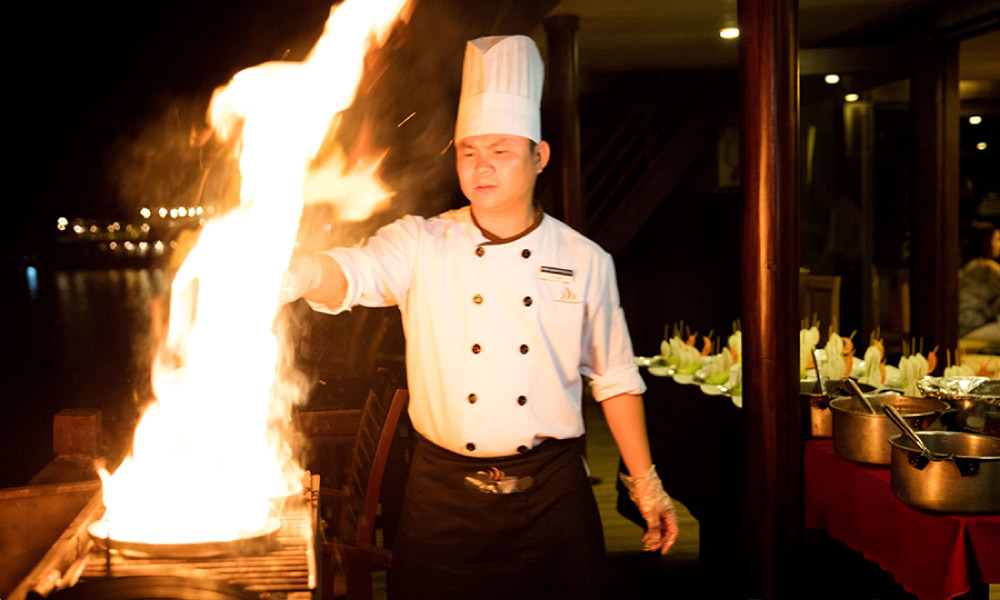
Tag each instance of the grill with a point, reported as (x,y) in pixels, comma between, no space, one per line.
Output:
(286,568)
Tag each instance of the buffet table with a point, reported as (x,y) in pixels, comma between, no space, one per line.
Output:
(932,556)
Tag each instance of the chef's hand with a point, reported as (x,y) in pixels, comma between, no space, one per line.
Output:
(655,505)
(303,275)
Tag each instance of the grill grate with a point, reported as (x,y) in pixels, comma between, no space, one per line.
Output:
(287,569)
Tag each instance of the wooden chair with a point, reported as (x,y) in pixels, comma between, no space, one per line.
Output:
(819,295)
(350,510)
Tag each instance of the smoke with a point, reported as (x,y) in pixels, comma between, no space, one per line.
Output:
(156,164)
(405,108)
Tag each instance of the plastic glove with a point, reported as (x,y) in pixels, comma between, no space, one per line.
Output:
(656,507)
(302,276)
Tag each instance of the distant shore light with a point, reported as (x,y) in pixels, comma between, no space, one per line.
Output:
(975,120)
(832,78)
(729,33)
(981,146)
(852,97)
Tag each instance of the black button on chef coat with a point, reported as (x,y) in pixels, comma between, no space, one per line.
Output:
(527,300)
(477,299)
(522,400)
(472,398)
(470,446)
(524,348)
(480,251)
(525,253)
(476,348)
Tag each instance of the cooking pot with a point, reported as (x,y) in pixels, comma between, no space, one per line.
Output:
(967,482)
(820,419)
(975,399)
(863,437)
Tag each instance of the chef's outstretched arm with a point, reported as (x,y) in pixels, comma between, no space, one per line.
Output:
(627,420)
(317,278)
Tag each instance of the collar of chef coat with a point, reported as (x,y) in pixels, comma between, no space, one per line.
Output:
(492,239)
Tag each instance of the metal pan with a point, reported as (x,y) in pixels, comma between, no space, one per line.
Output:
(820,417)
(252,543)
(863,437)
(967,482)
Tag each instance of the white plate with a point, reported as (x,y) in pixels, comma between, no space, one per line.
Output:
(661,370)
(710,390)
(737,400)
(684,379)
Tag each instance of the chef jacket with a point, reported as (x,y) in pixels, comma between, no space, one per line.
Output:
(498,333)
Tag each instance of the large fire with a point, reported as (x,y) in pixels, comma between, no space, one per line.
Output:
(207,459)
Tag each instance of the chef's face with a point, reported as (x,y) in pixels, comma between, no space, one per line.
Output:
(497,172)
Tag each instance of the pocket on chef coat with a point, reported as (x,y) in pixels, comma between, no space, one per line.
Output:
(562,320)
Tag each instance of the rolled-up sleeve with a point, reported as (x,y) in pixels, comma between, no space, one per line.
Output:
(378,271)
(606,355)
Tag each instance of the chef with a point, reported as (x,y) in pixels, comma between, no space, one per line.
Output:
(506,311)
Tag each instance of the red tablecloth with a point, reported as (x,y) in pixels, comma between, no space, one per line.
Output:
(932,556)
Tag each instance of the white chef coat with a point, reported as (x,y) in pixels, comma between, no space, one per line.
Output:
(498,334)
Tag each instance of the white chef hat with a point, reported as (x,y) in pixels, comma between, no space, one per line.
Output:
(501,88)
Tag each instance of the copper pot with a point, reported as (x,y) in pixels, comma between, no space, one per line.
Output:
(863,437)
(820,417)
(967,482)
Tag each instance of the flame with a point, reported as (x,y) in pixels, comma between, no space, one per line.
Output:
(207,458)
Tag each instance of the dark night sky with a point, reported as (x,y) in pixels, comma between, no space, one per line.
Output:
(105,96)
(91,79)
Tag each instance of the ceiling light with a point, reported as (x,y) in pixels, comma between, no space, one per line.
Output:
(981,146)
(975,120)
(729,33)
(832,78)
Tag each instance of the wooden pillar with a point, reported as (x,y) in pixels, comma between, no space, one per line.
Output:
(934,273)
(772,487)
(563,107)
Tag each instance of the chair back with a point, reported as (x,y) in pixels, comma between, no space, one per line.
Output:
(819,296)
(379,419)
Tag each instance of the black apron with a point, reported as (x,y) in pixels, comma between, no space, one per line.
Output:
(458,540)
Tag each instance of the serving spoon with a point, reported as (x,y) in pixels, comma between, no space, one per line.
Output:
(819,376)
(852,386)
(894,416)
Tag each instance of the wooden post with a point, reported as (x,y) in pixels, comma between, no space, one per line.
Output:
(772,488)
(936,195)
(564,110)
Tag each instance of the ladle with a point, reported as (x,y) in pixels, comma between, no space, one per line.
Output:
(819,376)
(893,414)
(857,393)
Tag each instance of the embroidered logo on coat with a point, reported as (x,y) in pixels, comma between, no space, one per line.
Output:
(567,295)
